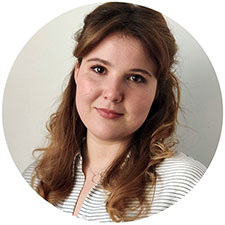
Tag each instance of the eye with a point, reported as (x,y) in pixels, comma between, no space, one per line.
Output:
(137,78)
(99,69)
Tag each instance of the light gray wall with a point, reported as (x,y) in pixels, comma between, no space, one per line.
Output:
(201,101)
(40,70)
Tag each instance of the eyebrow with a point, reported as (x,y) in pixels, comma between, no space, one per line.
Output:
(107,63)
(142,71)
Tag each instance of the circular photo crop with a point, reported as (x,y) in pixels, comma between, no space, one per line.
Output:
(109,112)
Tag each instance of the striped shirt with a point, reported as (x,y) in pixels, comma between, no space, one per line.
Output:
(176,176)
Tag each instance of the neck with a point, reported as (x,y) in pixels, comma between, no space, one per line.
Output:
(99,154)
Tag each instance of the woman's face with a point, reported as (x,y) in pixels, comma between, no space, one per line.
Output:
(115,87)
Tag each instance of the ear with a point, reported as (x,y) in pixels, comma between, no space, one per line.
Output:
(76,71)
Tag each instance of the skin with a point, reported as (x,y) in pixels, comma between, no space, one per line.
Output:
(116,87)
(105,80)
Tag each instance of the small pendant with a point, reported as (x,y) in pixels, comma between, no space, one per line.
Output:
(96,178)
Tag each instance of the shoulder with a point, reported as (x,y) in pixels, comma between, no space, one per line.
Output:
(180,171)
(176,176)
(181,162)
(29,172)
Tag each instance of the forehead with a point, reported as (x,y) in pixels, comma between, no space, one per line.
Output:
(120,49)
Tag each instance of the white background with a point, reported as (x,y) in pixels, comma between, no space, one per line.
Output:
(20,20)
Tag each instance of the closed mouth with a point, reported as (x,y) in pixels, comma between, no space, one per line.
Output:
(108,114)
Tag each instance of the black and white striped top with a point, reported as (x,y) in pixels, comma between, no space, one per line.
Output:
(176,177)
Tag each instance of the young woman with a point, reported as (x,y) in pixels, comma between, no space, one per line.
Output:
(111,153)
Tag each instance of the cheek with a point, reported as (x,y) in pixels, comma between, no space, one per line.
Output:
(141,105)
(86,94)
(86,90)
(143,108)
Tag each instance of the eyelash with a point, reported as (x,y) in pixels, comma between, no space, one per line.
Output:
(99,67)
(140,78)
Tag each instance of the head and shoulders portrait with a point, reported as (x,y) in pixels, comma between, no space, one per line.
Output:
(116,146)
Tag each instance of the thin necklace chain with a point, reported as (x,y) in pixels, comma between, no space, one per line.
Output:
(96,176)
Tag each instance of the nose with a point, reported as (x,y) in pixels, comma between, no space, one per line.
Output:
(113,91)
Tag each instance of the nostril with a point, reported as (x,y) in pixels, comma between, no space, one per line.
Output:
(113,89)
(113,96)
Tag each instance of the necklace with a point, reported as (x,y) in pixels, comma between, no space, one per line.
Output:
(96,176)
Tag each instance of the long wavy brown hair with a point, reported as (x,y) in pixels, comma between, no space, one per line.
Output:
(127,178)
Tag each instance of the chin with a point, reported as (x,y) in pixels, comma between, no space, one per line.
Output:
(109,136)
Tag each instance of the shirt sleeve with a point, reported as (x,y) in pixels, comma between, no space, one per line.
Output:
(29,173)
(176,177)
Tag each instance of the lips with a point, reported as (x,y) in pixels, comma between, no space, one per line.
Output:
(108,114)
